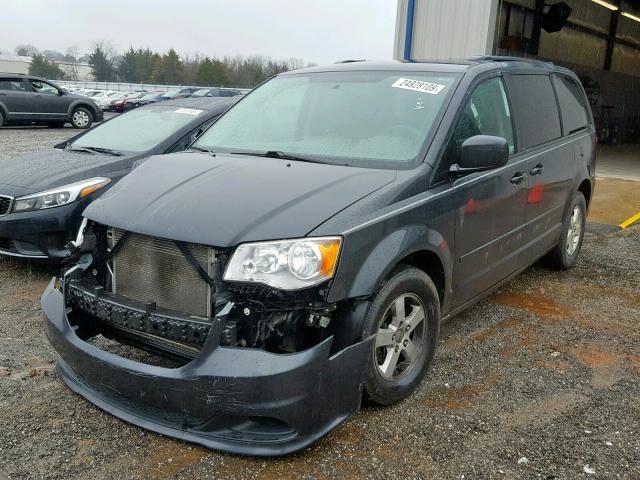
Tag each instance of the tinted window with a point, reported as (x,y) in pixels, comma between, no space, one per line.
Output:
(485,113)
(535,108)
(375,118)
(572,104)
(12,84)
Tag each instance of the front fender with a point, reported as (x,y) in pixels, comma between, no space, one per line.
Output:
(370,255)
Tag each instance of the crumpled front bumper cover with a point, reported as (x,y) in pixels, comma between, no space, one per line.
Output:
(242,401)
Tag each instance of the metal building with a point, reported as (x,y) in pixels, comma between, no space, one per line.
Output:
(598,39)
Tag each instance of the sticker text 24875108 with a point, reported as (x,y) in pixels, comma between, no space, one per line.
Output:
(418,86)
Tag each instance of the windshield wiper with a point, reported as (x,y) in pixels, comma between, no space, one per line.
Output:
(79,149)
(279,154)
(106,151)
(201,149)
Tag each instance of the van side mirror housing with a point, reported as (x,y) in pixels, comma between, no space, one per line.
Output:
(480,153)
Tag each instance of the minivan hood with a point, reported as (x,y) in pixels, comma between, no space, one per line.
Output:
(225,200)
(51,168)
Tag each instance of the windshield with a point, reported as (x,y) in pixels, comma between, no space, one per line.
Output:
(138,130)
(360,118)
(201,93)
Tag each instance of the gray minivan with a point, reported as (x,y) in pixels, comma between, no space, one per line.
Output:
(307,248)
(26,99)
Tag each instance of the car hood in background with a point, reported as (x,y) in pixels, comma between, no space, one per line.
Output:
(226,200)
(51,168)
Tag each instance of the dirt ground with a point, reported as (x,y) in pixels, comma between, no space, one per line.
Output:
(541,380)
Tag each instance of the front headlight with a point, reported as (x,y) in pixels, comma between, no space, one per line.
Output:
(59,196)
(286,264)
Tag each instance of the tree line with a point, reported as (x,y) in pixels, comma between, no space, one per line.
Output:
(142,65)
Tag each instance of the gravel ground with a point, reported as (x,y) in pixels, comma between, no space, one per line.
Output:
(18,140)
(540,380)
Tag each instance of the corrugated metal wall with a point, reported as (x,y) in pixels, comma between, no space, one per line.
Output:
(447,29)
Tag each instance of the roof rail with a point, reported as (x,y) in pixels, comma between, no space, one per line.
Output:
(505,58)
(12,73)
(351,61)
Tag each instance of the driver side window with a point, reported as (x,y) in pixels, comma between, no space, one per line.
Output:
(485,113)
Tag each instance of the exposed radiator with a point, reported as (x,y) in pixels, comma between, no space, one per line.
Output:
(150,269)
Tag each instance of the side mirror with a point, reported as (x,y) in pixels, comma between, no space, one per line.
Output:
(61,92)
(480,153)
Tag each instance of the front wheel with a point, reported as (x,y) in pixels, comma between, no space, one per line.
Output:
(81,118)
(405,319)
(565,253)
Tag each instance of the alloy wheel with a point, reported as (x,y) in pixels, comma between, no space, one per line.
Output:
(400,337)
(574,232)
(80,118)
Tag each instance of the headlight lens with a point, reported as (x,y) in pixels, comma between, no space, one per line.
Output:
(287,264)
(59,196)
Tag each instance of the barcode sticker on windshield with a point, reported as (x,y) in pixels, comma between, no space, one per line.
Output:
(418,86)
(189,111)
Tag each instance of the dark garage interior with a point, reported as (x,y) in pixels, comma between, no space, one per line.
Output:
(599,40)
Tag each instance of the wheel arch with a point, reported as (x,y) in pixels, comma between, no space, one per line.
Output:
(4,111)
(416,245)
(83,104)
(586,189)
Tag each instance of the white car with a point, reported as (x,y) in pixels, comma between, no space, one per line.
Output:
(104,101)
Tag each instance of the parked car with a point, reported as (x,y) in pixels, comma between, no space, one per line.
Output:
(43,194)
(26,100)
(105,102)
(223,92)
(312,241)
(146,99)
(201,92)
(119,104)
(216,92)
(179,93)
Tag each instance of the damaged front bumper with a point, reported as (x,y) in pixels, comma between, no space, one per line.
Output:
(238,400)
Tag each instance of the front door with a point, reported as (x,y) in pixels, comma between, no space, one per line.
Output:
(490,206)
(16,98)
(49,103)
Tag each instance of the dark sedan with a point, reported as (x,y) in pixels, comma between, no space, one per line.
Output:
(43,194)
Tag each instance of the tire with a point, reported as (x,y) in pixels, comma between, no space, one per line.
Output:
(1,119)
(81,118)
(406,287)
(565,254)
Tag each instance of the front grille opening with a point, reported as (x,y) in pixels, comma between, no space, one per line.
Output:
(154,270)
(7,245)
(136,352)
(5,204)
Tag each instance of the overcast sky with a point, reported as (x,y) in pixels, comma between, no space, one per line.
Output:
(319,31)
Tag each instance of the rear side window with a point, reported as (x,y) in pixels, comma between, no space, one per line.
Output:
(573,105)
(535,108)
(12,85)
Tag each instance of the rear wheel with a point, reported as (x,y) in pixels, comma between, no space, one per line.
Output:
(1,119)
(405,319)
(81,118)
(565,254)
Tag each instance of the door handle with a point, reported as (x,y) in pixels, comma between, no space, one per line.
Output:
(537,170)
(3,94)
(518,178)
